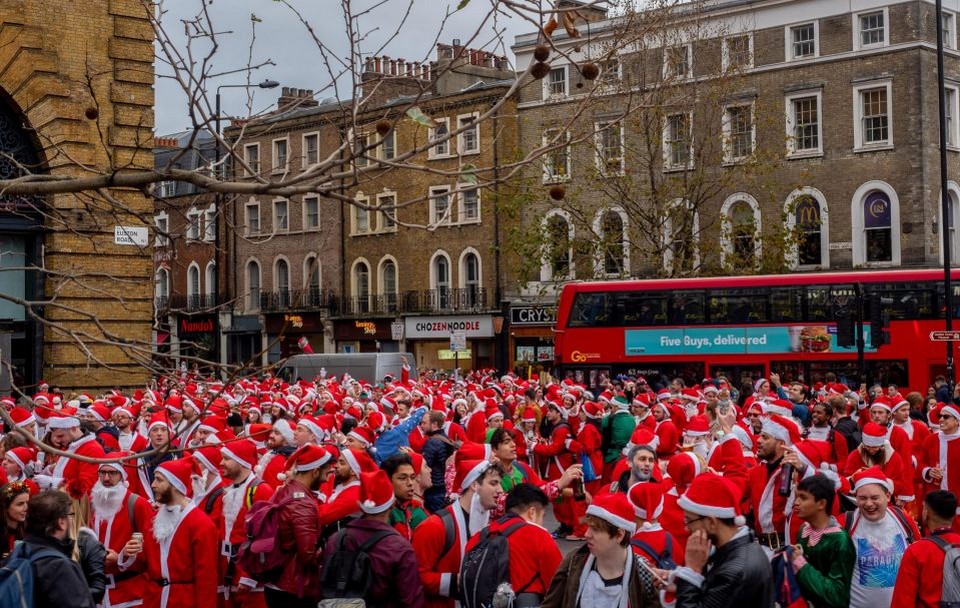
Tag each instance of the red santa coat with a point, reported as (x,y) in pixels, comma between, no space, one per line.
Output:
(672,519)
(455,432)
(588,442)
(655,537)
(211,504)
(556,453)
(903,445)
(892,468)
(82,475)
(114,532)
(438,570)
(941,450)
(138,442)
(270,466)
(769,508)
(235,505)
(187,560)
(477,427)
(726,458)
(534,556)
(920,578)
(669,438)
(416,439)
(343,502)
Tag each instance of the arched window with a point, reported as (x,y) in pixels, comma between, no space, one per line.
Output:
(875,209)
(681,239)
(388,284)
(470,278)
(953,191)
(253,285)
(281,280)
(193,287)
(161,288)
(559,253)
(612,237)
(311,279)
(808,221)
(361,286)
(210,284)
(741,231)
(440,280)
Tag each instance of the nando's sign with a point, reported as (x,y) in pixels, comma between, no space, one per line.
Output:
(196,325)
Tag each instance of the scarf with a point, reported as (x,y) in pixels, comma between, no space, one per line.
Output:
(625,584)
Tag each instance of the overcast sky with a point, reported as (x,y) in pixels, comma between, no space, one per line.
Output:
(282,39)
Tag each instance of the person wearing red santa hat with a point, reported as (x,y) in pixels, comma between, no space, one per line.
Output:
(556,452)
(67,435)
(123,420)
(159,434)
(777,437)
(651,542)
(875,450)
(241,490)
(719,448)
(19,464)
(299,532)
(920,578)
(681,471)
(737,572)
(941,449)
(588,444)
(604,572)
(341,505)
(478,485)
(116,514)
(181,552)
(207,483)
(280,444)
(667,432)
(880,532)
(392,559)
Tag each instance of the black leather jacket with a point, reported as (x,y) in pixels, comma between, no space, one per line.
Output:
(737,575)
(59,582)
(93,556)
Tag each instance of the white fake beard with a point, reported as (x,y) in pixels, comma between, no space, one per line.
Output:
(700,449)
(200,484)
(165,522)
(106,501)
(232,501)
(479,517)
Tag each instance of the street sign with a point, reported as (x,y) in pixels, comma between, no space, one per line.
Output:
(458,341)
(396,330)
(945,336)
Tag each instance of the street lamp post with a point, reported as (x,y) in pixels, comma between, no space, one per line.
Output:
(945,201)
(217,249)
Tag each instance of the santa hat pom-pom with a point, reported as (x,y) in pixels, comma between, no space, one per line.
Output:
(75,488)
(739,520)
(646,525)
(258,470)
(369,504)
(281,476)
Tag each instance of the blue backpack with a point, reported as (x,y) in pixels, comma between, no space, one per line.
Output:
(16,576)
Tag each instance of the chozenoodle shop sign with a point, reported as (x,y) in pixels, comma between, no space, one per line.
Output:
(440,328)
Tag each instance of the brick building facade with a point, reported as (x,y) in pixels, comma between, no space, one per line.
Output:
(77,90)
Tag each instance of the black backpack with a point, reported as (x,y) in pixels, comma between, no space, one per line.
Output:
(663,560)
(347,573)
(486,566)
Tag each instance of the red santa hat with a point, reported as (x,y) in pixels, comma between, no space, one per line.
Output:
(645,437)
(208,456)
(760,382)
(307,458)
(470,450)
(710,495)
(212,424)
(872,475)
(469,471)
(614,509)
(781,428)
(60,419)
(159,419)
(898,401)
(244,452)
(943,408)
(593,410)
(120,466)
(529,415)
(882,403)
(362,434)
(99,411)
(358,461)
(21,416)
(311,424)
(177,473)
(376,492)
(697,426)
(23,457)
(683,468)
(874,435)
(780,407)
(647,500)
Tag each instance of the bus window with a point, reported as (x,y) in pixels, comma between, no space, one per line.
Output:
(818,304)
(687,308)
(785,305)
(639,308)
(589,310)
(738,307)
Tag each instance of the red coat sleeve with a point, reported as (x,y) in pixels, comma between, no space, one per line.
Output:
(853,464)
(556,446)
(344,505)
(205,549)
(427,544)
(906,591)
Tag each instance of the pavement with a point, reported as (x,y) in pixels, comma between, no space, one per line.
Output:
(551,524)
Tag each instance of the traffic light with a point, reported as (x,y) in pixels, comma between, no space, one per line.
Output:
(846,328)
(879,320)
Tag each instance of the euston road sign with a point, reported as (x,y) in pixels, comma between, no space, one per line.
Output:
(945,336)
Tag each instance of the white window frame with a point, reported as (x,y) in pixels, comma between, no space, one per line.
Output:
(210,223)
(728,157)
(161,223)
(726,232)
(305,151)
(548,94)
(432,152)
(381,150)
(792,151)
(166,189)
(689,60)
(858,143)
(549,134)
(599,128)
(354,284)
(546,264)
(434,285)
(381,285)
(361,162)
(306,223)
(858,234)
(253,304)
(246,159)
(857,39)
(950,40)
(604,79)
(310,261)
(790,212)
(275,166)
(161,283)
(209,278)
(275,218)
(953,124)
(382,216)
(954,191)
(191,230)
(462,269)
(725,51)
(194,291)
(436,218)
(462,189)
(461,149)
(247,215)
(668,165)
(276,275)
(788,50)
(355,214)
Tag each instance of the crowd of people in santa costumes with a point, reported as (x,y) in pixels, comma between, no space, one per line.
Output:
(681,496)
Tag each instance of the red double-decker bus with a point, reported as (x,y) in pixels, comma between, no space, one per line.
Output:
(745,327)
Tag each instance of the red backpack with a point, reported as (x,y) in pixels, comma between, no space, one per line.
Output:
(260,553)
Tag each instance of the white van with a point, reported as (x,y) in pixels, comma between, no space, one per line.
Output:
(371,367)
